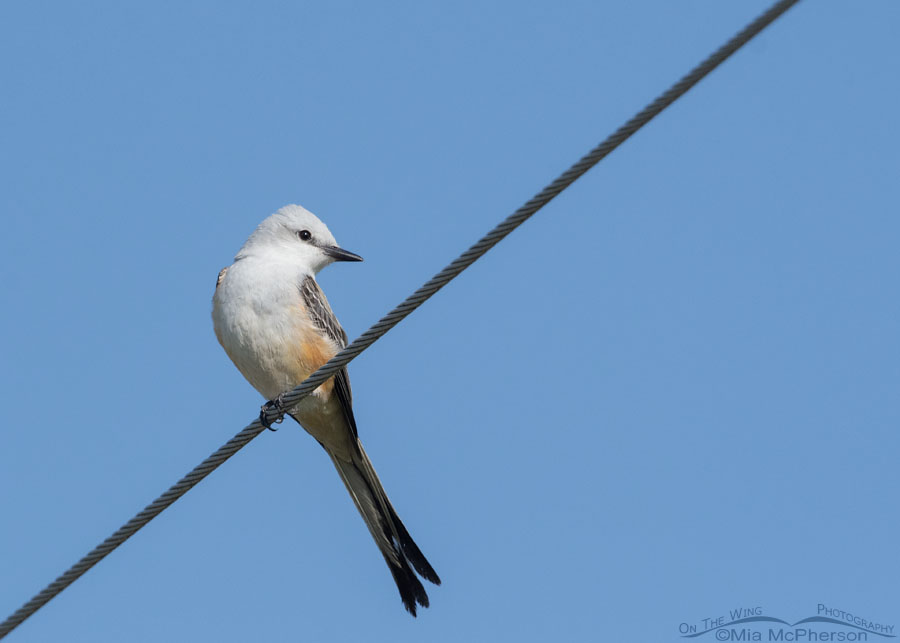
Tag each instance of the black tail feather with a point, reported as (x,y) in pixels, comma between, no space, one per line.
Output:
(410,587)
(391,536)
(412,551)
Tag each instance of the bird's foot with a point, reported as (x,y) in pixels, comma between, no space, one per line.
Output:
(278,405)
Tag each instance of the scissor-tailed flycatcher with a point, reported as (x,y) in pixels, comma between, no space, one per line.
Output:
(275,323)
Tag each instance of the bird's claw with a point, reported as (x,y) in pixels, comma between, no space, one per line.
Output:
(278,405)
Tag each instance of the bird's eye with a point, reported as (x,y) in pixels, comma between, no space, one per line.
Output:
(305,235)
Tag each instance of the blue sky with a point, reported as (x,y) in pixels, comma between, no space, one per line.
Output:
(670,394)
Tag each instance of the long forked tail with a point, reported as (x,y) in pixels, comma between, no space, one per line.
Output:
(396,545)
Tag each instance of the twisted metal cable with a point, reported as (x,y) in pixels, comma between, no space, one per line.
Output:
(394,317)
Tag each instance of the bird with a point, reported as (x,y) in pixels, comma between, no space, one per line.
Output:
(277,327)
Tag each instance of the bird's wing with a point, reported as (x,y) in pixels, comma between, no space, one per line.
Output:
(221,277)
(323,317)
(396,545)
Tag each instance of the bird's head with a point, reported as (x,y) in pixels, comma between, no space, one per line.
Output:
(296,234)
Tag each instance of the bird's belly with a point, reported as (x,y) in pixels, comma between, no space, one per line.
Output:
(276,347)
(275,352)
(323,418)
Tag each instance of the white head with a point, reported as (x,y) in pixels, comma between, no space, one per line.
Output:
(295,234)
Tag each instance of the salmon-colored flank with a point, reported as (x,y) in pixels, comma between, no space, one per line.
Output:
(310,352)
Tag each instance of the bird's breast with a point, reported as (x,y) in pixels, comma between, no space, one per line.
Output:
(268,334)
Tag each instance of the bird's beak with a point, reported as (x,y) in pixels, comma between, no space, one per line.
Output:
(339,254)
